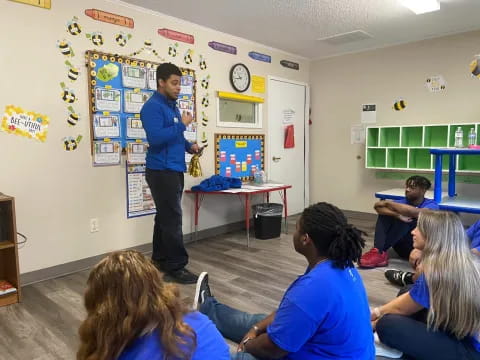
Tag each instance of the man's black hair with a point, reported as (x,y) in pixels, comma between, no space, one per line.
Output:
(165,70)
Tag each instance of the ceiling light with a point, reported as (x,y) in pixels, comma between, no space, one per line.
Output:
(421,6)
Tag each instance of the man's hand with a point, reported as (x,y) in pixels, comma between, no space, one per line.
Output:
(187,118)
(251,334)
(195,149)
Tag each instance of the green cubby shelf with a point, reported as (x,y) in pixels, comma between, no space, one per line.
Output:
(468,163)
(466,129)
(376,158)
(397,158)
(390,137)
(412,136)
(420,159)
(436,136)
(372,137)
(407,147)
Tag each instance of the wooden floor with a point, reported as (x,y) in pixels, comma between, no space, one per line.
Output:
(44,326)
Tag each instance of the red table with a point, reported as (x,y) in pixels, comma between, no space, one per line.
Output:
(246,191)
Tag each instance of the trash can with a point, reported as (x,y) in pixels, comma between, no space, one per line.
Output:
(267,220)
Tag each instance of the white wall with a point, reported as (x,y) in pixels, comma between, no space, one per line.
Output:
(341,85)
(58,192)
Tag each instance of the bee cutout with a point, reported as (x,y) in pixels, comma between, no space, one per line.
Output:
(73,27)
(73,72)
(204,139)
(70,143)
(202,63)
(67,95)
(65,48)
(204,119)
(122,38)
(436,83)
(96,38)
(205,83)
(475,67)
(399,105)
(188,57)
(172,50)
(205,101)
(73,117)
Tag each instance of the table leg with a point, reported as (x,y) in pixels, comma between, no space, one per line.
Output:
(197,207)
(285,206)
(268,197)
(451,175)
(437,190)
(247,217)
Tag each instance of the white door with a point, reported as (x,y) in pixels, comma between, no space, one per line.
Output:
(287,105)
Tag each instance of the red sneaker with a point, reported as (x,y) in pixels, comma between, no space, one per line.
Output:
(373,259)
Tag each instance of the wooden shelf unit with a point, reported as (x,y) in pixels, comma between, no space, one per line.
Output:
(9,269)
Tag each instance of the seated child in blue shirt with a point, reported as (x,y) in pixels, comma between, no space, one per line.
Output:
(133,315)
(324,314)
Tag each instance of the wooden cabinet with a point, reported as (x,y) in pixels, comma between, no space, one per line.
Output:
(8,249)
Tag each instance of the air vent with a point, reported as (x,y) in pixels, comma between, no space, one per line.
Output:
(345,38)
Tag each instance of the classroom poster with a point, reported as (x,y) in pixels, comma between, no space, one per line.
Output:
(28,124)
(139,197)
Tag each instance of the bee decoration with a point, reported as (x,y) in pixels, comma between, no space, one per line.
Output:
(67,95)
(65,48)
(399,105)
(122,38)
(70,143)
(202,63)
(73,71)
(73,27)
(96,38)
(73,117)
(188,57)
(205,83)
(172,50)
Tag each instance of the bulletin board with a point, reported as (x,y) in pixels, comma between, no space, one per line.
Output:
(118,88)
(239,155)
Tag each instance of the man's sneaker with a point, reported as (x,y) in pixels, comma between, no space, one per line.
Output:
(398,277)
(182,276)
(202,291)
(373,259)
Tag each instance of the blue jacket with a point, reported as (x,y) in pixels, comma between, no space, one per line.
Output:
(161,120)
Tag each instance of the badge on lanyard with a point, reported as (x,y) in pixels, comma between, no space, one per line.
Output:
(175,120)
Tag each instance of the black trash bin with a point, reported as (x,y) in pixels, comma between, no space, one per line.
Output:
(267,220)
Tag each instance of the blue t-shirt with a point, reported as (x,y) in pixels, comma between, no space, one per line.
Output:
(210,343)
(426,204)
(324,314)
(161,120)
(421,295)
(473,233)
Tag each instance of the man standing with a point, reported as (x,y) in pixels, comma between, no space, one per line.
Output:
(396,220)
(164,127)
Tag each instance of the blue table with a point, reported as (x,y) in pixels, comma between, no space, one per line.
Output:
(452,202)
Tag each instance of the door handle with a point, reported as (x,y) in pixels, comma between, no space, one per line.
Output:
(276,159)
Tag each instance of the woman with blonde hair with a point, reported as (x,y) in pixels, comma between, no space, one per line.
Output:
(448,288)
(133,314)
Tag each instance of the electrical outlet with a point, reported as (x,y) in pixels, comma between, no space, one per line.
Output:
(94,225)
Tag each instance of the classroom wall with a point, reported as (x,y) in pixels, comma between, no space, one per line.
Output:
(339,87)
(58,192)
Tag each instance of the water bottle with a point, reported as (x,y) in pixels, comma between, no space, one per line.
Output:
(472,137)
(459,137)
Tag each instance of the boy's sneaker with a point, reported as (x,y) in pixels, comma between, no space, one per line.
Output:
(202,291)
(373,258)
(399,277)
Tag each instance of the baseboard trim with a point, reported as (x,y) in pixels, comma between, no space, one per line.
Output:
(84,264)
